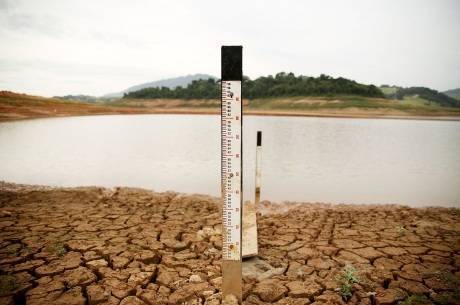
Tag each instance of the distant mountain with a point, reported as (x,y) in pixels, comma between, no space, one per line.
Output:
(171,83)
(455,93)
(80,97)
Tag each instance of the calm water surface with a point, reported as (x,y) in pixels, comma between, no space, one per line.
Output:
(304,159)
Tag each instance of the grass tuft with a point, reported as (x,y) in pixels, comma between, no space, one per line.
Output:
(347,278)
(415,299)
(56,247)
(401,231)
(8,283)
(450,279)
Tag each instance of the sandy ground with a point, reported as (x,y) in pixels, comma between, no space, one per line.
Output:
(132,246)
(331,113)
(14,106)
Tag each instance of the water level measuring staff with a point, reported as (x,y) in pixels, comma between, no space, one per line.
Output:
(231,169)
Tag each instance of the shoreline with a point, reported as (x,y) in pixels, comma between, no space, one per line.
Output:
(93,245)
(14,106)
(266,205)
(250,112)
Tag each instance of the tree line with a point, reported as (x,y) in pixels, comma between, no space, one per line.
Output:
(281,85)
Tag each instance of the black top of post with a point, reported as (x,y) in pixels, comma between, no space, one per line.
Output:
(232,63)
(259,138)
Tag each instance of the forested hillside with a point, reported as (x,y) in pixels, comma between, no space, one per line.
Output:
(455,93)
(281,85)
(428,94)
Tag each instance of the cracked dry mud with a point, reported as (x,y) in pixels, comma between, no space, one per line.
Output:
(131,246)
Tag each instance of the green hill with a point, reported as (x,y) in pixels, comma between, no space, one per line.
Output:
(280,85)
(421,96)
(455,93)
(430,95)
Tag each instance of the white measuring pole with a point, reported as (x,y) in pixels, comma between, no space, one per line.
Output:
(231,170)
(258,167)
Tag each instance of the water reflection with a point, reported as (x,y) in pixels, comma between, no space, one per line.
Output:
(304,159)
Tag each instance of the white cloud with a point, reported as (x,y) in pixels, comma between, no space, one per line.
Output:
(54,47)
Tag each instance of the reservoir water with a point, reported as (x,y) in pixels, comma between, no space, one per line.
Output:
(334,160)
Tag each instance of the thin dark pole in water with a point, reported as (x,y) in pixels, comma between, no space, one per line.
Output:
(258,168)
(232,170)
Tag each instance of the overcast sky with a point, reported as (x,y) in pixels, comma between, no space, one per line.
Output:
(56,47)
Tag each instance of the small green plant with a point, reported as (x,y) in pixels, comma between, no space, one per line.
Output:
(56,248)
(13,248)
(8,283)
(415,299)
(453,282)
(456,294)
(450,279)
(401,231)
(446,298)
(442,298)
(347,278)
